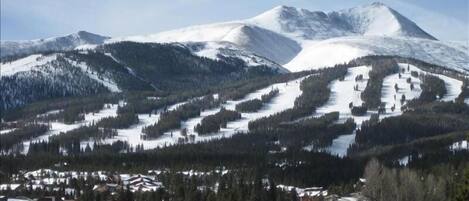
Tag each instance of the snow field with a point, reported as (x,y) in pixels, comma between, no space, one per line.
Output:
(24,64)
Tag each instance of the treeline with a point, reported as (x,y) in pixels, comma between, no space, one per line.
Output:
(75,104)
(170,67)
(213,123)
(317,132)
(24,88)
(256,104)
(172,119)
(423,121)
(432,87)
(22,133)
(464,91)
(122,120)
(71,140)
(380,68)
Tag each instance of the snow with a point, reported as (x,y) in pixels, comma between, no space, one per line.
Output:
(6,131)
(110,84)
(391,98)
(24,64)
(301,39)
(56,128)
(348,199)
(288,92)
(453,88)
(68,42)
(132,134)
(343,93)
(340,145)
(461,145)
(404,161)
(212,50)
(327,52)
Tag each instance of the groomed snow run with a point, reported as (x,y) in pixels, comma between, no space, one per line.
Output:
(56,128)
(288,92)
(392,98)
(343,93)
(132,134)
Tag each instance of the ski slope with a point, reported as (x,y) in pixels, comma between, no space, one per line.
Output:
(288,92)
(56,128)
(343,93)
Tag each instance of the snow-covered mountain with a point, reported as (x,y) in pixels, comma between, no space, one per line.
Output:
(301,39)
(68,42)
(294,38)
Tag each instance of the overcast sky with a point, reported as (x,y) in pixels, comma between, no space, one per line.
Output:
(30,19)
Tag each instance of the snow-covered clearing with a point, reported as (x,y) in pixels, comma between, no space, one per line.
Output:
(109,110)
(24,64)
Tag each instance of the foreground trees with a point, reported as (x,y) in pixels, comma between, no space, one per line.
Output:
(383,184)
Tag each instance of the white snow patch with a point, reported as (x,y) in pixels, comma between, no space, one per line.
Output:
(404,161)
(6,131)
(24,64)
(461,145)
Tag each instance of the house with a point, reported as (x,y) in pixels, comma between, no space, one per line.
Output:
(142,183)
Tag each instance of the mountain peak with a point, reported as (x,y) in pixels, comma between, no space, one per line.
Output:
(378,4)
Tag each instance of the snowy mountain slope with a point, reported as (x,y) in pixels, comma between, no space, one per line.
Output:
(263,42)
(69,42)
(342,49)
(378,19)
(301,39)
(218,50)
(24,64)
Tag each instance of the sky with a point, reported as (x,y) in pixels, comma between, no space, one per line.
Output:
(32,19)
